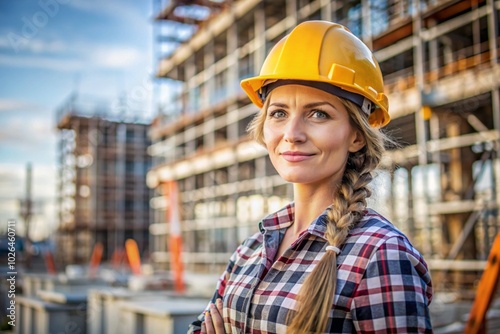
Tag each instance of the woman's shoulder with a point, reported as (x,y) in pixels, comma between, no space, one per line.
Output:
(376,239)
(376,226)
(373,231)
(250,244)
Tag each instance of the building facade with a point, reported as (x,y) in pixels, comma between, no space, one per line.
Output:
(440,61)
(103,197)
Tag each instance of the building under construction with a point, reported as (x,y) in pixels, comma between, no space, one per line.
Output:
(103,197)
(440,60)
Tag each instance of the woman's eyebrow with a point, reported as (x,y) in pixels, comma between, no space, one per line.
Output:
(317,104)
(309,105)
(278,104)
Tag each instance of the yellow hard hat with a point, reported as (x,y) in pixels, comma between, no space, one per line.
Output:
(322,54)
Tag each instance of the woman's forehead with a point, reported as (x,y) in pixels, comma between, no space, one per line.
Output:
(306,93)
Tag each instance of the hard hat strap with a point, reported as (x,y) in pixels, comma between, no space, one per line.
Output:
(365,104)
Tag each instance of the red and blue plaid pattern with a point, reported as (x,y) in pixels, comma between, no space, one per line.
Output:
(383,284)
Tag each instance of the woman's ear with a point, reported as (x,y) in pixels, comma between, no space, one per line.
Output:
(358,142)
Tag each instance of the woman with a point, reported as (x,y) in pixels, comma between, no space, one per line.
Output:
(324,263)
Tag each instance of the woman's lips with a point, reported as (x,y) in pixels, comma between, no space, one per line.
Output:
(296,156)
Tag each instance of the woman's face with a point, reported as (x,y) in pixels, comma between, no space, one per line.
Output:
(308,135)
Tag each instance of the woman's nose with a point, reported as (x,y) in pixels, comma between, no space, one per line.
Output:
(294,130)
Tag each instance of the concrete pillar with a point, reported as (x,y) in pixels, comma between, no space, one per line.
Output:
(458,174)
(119,228)
(366,22)
(493,30)
(189,73)
(495,104)
(291,11)
(411,212)
(433,55)
(232,81)
(418,68)
(326,9)
(209,71)
(476,34)
(420,125)
(260,37)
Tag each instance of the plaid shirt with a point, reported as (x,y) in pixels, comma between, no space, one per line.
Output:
(383,284)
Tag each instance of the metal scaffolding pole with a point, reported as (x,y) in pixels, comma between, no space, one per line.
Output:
(420,127)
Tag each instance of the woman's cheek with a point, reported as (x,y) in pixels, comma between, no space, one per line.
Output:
(267,137)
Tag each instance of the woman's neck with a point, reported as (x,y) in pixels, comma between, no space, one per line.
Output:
(309,203)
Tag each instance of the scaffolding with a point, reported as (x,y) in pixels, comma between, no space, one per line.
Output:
(103,197)
(440,61)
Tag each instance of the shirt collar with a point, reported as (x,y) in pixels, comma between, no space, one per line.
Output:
(284,217)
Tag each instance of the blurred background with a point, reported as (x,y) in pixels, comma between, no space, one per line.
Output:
(124,159)
(51,50)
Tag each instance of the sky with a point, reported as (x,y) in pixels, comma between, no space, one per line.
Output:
(50,49)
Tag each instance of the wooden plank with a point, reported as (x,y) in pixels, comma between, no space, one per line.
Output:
(458,265)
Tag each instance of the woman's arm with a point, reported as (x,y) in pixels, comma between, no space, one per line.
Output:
(395,292)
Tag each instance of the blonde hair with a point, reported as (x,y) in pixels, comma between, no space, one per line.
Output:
(315,298)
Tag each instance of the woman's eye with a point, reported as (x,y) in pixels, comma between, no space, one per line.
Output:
(319,114)
(277,114)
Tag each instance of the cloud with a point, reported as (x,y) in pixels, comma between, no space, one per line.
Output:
(16,105)
(12,189)
(121,57)
(58,64)
(57,55)
(91,56)
(31,133)
(51,50)
(13,181)
(10,181)
(114,8)
(33,45)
